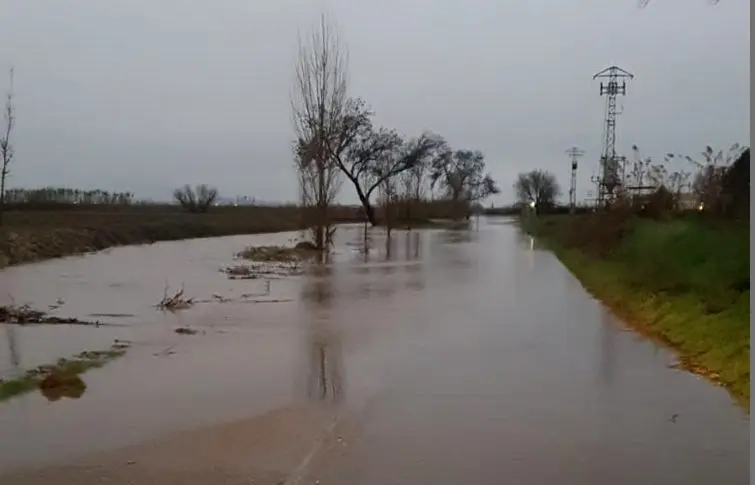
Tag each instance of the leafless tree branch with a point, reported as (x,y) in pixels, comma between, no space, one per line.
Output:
(6,147)
(318,106)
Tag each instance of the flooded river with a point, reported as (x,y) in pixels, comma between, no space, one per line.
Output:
(454,357)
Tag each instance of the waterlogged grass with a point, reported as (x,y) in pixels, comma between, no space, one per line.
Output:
(64,372)
(279,254)
(683,282)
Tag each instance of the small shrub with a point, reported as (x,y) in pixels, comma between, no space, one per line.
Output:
(196,201)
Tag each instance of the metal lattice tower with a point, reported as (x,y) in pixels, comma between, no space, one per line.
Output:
(610,174)
(574,153)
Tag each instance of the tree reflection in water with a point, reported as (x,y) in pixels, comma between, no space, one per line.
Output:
(325,368)
(15,358)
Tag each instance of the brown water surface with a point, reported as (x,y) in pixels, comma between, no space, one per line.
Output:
(450,357)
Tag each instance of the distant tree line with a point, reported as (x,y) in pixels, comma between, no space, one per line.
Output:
(63,195)
(716,184)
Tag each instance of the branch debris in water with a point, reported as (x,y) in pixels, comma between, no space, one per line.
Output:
(25,315)
(280,254)
(267,270)
(175,302)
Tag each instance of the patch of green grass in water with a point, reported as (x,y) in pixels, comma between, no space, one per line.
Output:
(75,366)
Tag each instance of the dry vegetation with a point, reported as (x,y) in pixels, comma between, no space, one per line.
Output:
(25,315)
(276,253)
(174,302)
(264,270)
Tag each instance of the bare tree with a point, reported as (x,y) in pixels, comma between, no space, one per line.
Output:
(318,104)
(461,174)
(197,200)
(538,187)
(387,188)
(368,156)
(6,148)
(319,184)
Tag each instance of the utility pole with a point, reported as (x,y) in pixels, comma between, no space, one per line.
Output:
(610,173)
(574,153)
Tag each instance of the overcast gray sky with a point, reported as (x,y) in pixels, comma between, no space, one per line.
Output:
(146,95)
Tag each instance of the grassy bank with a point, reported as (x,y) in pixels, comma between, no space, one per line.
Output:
(685,282)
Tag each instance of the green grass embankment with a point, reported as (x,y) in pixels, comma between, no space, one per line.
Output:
(685,282)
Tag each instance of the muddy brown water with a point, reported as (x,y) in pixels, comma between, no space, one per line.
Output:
(460,358)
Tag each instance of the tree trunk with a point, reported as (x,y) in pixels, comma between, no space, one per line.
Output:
(369,211)
(2,195)
(408,213)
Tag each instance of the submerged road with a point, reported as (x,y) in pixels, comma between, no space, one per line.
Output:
(439,357)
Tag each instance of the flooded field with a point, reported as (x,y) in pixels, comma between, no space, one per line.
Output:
(444,356)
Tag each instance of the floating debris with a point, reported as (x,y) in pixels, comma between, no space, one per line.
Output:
(305,246)
(300,252)
(269,270)
(20,314)
(276,300)
(112,315)
(175,302)
(165,352)
(25,315)
(241,270)
(185,331)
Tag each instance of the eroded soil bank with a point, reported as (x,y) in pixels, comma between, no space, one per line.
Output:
(438,357)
